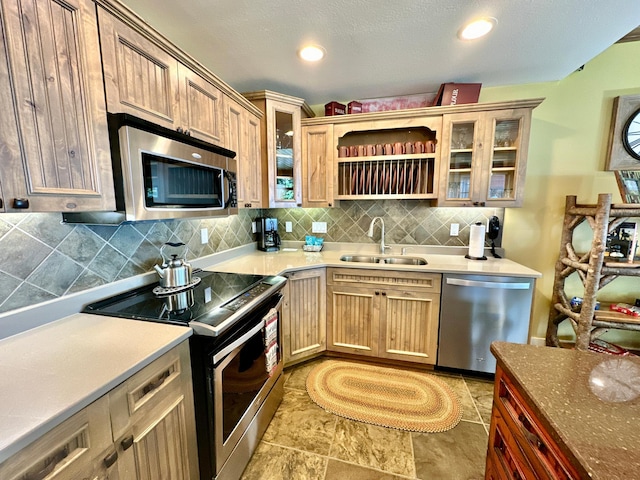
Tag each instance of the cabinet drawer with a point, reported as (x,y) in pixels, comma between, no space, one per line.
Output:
(505,460)
(69,451)
(154,387)
(406,280)
(540,449)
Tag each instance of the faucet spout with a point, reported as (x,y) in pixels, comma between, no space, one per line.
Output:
(370,233)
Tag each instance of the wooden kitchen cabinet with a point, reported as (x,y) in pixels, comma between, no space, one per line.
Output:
(54,134)
(145,80)
(280,138)
(304,319)
(383,314)
(153,420)
(143,429)
(483,158)
(317,166)
(242,135)
(519,445)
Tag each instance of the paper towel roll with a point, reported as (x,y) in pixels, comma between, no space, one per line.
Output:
(476,241)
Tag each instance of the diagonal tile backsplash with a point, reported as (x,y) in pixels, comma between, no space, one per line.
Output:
(45,259)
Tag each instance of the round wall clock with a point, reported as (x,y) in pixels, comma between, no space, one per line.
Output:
(631,135)
(624,135)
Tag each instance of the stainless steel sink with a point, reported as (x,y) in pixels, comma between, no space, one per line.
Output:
(402,260)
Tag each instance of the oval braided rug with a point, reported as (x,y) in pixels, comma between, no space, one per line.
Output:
(384,396)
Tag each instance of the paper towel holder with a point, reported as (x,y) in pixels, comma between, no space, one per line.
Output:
(483,257)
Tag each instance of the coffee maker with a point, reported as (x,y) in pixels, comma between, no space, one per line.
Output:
(267,234)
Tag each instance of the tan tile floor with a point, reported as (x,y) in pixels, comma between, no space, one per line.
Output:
(303,442)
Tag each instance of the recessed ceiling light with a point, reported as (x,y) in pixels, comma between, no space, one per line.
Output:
(477,28)
(312,53)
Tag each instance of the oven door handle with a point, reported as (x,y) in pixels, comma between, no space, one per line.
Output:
(232,346)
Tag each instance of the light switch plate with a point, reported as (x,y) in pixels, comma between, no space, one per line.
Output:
(288,227)
(319,227)
(204,235)
(253,227)
(454,229)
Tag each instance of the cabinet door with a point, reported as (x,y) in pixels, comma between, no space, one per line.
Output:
(505,149)
(55,141)
(352,314)
(157,449)
(283,154)
(242,135)
(304,316)
(140,78)
(317,166)
(200,107)
(461,160)
(409,325)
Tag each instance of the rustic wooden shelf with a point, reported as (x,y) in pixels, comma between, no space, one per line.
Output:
(594,273)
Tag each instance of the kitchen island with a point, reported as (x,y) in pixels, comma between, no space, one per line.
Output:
(566,410)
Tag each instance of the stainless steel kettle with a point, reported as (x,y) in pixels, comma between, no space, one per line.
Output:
(175,271)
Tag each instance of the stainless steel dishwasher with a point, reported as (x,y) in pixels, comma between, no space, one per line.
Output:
(475,310)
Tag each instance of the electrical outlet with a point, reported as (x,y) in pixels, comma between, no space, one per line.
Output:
(319,227)
(454,229)
(254,228)
(204,235)
(288,227)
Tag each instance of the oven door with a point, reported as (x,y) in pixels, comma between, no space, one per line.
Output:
(244,373)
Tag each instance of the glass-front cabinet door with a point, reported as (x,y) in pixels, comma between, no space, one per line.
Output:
(505,151)
(460,160)
(483,158)
(281,148)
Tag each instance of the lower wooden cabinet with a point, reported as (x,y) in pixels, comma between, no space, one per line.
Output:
(383,314)
(519,445)
(304,315)
(142,429)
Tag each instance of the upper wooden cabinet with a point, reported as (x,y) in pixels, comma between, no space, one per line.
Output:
(419,153)
(317,166)
(281,147)
(483,158)
(242,135)
(56,153)
(145,80)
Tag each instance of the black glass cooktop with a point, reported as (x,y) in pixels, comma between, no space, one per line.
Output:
(214,299)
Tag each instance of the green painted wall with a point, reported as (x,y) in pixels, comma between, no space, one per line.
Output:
(567,154)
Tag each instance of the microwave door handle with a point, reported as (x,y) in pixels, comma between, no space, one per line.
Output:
(228,189)
(232,346)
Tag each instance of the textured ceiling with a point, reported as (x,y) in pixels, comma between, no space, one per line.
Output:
(378,48)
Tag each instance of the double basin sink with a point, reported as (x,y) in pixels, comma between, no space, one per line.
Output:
(384,259)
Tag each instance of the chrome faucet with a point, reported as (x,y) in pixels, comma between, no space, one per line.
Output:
(370,233)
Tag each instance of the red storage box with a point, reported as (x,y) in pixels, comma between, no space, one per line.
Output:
(354,107)
(334,108)
(457,93)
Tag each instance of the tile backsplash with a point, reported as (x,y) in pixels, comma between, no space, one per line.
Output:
(408,222)
(44,259)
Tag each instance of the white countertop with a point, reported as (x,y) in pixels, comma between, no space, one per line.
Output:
(51,372)
(282,261)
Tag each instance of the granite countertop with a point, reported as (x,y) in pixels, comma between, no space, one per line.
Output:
(50,372)
(589,402)
(290,259)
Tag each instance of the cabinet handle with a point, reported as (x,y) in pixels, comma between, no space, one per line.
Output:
(51,463)
(331,205)
(0,203)
(530,436)
(377,293)
(110,459)
(179,130)
(127,442)
(22,203)
(247,205)
(151,386)
(384,294)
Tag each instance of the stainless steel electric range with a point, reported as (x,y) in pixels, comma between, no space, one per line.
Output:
(235,357)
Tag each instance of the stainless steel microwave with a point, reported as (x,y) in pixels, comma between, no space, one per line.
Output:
(164,174)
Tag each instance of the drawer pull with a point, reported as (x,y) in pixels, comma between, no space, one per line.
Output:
(127,442)
(151,386)
(110,459)
(531,437)
(50,464)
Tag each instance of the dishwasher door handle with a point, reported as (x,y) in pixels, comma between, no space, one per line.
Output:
(475,283)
